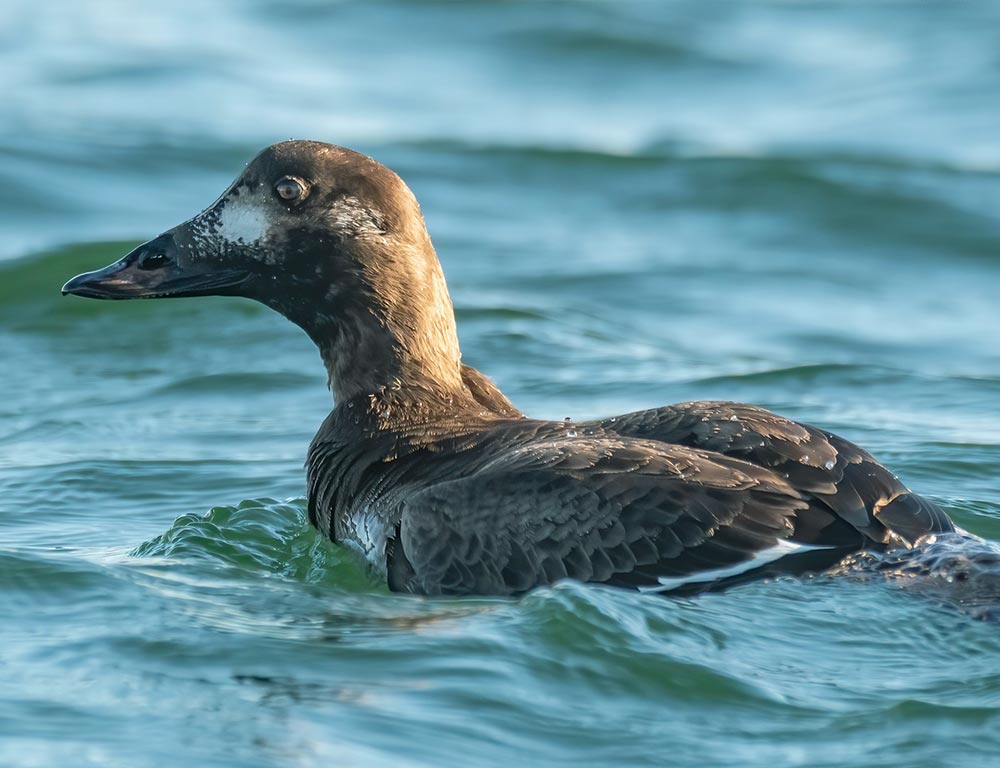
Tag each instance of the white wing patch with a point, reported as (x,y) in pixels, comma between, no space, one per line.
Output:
(369,538)
(762,558)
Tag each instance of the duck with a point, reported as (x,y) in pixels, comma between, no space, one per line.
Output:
(437,480)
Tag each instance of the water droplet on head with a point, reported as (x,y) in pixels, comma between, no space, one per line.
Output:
(830,464)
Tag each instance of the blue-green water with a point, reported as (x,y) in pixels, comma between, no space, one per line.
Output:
(791,204)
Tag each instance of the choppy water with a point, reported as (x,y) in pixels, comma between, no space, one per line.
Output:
(792,204)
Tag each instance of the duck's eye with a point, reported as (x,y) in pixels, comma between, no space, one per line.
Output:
(290,189)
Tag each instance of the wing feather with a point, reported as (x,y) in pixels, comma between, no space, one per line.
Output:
(845,483)
(541,513)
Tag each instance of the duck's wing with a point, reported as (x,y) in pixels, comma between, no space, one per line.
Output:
(605,509)
(845,479)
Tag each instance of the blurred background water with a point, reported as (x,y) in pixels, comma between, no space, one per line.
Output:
(793,204)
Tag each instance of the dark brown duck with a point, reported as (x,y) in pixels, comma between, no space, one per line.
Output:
(442,484)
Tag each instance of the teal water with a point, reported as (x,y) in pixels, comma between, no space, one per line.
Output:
(791,204)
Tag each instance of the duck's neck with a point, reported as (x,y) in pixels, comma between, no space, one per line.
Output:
(387,323)
(384,324)
(366,359)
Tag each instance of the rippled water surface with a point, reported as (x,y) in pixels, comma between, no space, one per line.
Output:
(791,204)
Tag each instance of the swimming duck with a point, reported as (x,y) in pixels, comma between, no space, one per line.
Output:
(444,486)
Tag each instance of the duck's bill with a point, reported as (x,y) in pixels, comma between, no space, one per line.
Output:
(154,271)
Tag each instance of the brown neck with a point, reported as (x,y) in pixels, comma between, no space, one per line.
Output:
(363,358)
(389,324)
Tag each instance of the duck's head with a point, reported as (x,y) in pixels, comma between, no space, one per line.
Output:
(329,238)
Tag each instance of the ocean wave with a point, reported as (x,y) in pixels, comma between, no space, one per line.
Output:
(259,536)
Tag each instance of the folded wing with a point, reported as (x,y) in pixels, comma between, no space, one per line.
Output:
(846,480)
(621,511)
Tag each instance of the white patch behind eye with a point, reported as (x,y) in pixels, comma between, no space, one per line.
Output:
(349,214)
(243,221)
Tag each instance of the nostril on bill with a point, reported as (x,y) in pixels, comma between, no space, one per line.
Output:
(153,259)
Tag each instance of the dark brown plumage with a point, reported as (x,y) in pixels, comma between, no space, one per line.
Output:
(428,470)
